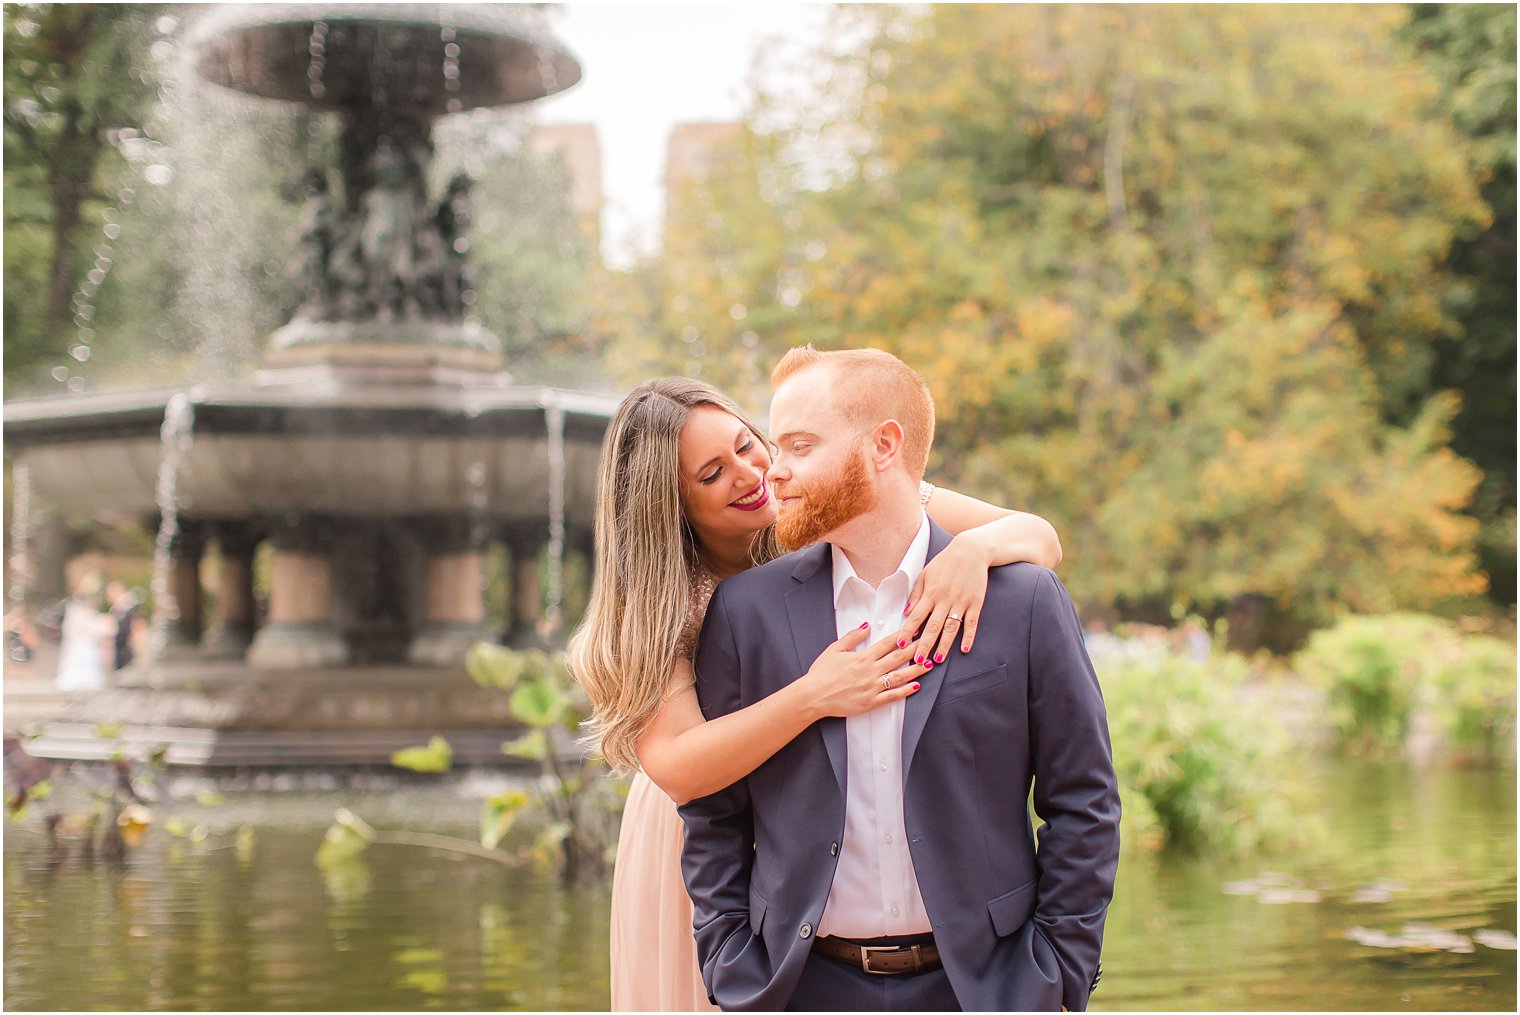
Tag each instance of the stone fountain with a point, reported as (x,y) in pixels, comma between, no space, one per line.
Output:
(378,449)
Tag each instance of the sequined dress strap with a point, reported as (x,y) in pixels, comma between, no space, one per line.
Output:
(702,585)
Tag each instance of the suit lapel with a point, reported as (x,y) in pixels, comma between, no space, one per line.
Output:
(810,613)
(921,703)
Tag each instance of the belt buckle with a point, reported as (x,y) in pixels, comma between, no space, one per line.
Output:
(865,957)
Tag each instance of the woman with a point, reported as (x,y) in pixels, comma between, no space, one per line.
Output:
(81,664)
(683,503)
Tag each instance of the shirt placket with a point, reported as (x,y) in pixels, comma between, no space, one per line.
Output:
(886,725)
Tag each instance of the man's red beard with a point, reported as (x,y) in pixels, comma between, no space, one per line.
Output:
(826,505)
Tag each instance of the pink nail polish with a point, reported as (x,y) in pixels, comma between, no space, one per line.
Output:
(915,687)
(865,625)
(918,660)
(907,609)
(902,643)
(965,648)
(939,657)
(929,665)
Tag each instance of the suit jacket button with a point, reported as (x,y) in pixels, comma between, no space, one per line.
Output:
(834,849)
(806,931)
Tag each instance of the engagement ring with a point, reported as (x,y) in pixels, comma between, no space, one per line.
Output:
(955,617)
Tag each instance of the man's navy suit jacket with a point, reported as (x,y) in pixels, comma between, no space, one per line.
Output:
(1018,927)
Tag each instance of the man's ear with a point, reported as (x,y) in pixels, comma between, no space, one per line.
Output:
(886,444)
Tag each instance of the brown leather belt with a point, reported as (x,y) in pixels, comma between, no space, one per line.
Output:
(884,960)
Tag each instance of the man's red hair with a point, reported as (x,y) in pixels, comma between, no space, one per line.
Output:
(871,387)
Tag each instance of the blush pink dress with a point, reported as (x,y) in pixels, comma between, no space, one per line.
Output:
(654,956)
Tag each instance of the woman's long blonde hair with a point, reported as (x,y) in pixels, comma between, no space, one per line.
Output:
(624,651)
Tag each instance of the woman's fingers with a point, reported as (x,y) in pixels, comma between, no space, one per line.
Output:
(952,628)
(917,613)
(898,692)
(968,627)
(890,645)
(898,679)
(852,638)
(925,649)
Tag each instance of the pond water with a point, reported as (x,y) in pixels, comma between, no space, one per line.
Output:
(1408,904)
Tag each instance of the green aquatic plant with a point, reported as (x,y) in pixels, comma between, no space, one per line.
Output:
(1474,692)
(575,802)
(1373,670)
(1198,767)
(1380,672)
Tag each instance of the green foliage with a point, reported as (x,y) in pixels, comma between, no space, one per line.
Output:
(347,837)
(580,831)
(1475,698)
(499,814)
(1373,669)
(1377,671)
(435,756)
(1197,767)
(76,77)
(1470,48)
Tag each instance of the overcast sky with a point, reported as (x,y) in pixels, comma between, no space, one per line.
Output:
(648,67)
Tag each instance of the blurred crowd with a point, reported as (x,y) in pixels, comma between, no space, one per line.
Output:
(1134,641)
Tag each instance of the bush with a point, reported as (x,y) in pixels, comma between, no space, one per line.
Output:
(1196,767)
(1372,670)
(1475,697)
(1377,671)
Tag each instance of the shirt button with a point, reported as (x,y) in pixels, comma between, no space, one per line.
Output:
(894,910)
(806,931)
(887,838)
(882,766)
(833,849)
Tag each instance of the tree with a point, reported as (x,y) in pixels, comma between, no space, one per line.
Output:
(1162,267)
(1471,49)
(75,78)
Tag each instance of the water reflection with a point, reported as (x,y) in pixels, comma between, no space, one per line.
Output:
(244,919)
(1435,848)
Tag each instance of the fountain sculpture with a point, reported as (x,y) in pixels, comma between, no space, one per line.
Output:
(379,447)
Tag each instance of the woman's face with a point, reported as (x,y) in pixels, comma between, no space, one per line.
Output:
(723,468)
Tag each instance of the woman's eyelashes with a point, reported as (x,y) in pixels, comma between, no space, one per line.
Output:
(743,450)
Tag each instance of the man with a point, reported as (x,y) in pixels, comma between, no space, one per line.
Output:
(886,861)
(124,610)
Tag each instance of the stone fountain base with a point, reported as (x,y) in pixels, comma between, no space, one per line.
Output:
(210,715)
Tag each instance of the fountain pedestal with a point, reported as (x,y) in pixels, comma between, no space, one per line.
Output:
(379,444)
(300,633)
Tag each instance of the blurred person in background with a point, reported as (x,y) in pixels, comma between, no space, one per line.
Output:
(81,661)
(125,611)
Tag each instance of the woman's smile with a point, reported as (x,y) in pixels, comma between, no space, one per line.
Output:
(754,500)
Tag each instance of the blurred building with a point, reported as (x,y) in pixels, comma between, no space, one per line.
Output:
(577,144)
(693,152)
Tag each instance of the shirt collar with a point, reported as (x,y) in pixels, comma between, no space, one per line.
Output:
(911,565)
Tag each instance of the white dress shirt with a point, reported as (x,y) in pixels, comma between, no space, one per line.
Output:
(875,890)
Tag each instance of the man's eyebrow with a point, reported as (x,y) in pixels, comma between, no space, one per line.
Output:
(794,433)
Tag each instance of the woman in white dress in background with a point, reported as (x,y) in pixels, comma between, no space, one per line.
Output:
(81,659)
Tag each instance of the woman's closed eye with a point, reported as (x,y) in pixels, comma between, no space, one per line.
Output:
(718,471)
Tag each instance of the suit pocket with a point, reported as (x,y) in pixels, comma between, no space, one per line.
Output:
(756,911)
(959,686)
(1012,910)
